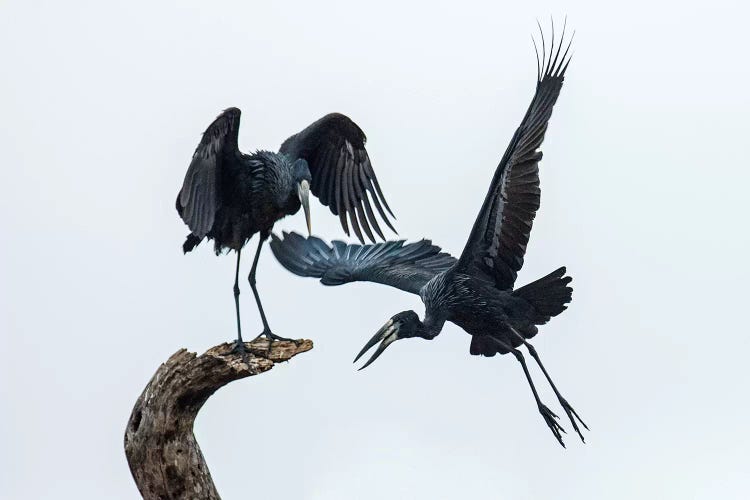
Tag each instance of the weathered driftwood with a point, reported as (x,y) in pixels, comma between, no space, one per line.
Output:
(162,452)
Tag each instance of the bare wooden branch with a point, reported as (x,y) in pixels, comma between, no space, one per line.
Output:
(164,457)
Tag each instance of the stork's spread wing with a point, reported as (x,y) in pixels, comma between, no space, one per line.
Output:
(497,242)
(404,266)
(200,196)
(342,176)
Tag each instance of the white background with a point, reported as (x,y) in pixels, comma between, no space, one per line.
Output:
(644,199)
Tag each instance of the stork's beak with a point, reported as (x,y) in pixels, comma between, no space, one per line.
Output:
(386,335)
(303,191)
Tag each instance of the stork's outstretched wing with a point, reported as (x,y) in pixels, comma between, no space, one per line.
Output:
(497,242)
(342,176)
(407,267)
(200,196)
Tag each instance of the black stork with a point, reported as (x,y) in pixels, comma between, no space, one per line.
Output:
(228,196)
(476,292)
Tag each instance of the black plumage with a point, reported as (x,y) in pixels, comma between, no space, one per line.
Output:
(476,292)
(228,196)
(407,267)
(342,175)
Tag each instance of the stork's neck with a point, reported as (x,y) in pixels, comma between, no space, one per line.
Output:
(431,326)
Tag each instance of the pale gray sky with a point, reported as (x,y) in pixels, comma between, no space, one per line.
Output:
(644,199)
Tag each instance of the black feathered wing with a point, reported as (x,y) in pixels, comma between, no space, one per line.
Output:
(200,197)
(404,266)
(342,175)
(497,243)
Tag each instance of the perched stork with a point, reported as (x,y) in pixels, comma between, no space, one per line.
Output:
(228,196)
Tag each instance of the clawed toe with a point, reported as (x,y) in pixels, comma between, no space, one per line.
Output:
(240,349)
(551,420)
(273,337)
(572,415)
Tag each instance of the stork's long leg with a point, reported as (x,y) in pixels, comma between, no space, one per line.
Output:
(572,415)
(251,278)
(240,345)
(549,417)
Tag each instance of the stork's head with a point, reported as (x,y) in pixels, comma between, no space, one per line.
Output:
(302,179)
(403,325)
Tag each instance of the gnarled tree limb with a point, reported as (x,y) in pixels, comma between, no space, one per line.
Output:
(162,452)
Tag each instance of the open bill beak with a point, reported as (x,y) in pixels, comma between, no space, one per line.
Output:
(386,336)
(303,191)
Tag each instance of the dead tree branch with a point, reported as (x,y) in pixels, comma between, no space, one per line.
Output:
(162,452)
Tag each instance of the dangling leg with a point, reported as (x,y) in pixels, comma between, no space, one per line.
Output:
(566,406)
(549,417)
(239,346)
(251,278)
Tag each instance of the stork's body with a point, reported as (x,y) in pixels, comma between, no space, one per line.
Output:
(477,291)
(260,188)
(474,304)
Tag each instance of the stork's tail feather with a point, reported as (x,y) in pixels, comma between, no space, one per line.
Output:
(483,345)
(191,242)
(548,295)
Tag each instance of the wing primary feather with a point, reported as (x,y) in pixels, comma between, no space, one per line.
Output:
(338,188)
(559,48)
(382,213)
(544,49)
(345,196)
(538,68)
(385,203)
(355,200)
(363,220)
(561,71)
(552,44)
(355,225)
(374,181)
(371,215)
(367,187)
(358,194)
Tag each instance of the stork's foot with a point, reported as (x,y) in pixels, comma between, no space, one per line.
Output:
(272,337)
(551,421)
(572,415)
(239,348)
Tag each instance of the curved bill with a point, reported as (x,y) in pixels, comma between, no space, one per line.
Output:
(303,191)
(386,335)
